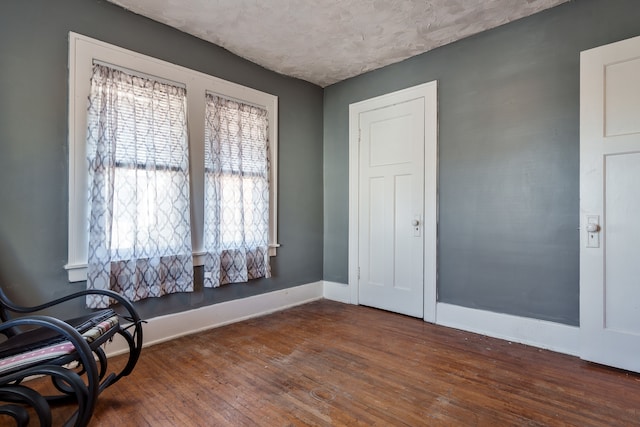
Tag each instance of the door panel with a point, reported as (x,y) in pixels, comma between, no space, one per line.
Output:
(404,239)
(622,272)
(391,197)
(610,197)
(621,100)
(376,231)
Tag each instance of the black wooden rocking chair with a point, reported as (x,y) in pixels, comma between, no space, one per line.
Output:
(69,352)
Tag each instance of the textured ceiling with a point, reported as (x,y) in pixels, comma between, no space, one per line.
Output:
(326,41)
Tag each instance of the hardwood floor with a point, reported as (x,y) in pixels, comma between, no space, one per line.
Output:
(327,363)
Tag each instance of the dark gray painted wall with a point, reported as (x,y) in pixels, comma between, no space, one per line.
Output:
(508,157)
(34,149)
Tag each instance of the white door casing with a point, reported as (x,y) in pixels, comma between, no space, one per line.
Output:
(610,204)
(392,201)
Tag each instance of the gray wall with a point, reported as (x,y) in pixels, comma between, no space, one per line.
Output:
(508,181)
(34,149)
(508,157)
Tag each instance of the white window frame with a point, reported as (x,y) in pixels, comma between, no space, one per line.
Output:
(83,51)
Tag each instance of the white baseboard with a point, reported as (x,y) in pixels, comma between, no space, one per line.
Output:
(336,292)
(165,328)
(538,333)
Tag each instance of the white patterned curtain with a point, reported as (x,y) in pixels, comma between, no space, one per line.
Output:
(236,218)
(137,152)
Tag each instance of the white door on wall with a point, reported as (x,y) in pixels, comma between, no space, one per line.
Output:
(395,203)
(610,204)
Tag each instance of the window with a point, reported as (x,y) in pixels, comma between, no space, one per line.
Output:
(193,91)
(138,170)
(137,132)
(236,232)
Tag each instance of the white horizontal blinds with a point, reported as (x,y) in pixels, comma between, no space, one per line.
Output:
(138,167)
(151,119)
(236,230)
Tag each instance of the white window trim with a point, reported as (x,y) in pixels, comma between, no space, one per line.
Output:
(82,52)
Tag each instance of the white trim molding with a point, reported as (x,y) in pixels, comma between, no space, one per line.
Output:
(164,328)
(336,292)
(538,333)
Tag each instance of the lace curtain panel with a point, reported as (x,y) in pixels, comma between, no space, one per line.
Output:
(137,152)
(236,219)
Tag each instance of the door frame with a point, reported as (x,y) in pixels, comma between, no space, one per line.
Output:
(428,92)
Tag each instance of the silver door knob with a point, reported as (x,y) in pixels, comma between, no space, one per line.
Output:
(415,223)
(593,228)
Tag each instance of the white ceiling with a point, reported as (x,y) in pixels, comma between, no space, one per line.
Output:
(326,41)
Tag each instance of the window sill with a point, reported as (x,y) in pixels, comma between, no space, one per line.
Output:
(78,272)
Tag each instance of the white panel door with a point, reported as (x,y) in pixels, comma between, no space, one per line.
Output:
(610,204)
(391,202)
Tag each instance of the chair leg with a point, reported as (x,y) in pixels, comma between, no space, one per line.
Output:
(26,396)
(67,381)
(18,413)
(102,362)
(74,387)
(134,341)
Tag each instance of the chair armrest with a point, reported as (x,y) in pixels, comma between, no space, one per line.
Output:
(132,313)
(69,333)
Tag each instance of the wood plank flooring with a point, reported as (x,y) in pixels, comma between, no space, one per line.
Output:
(331,364)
